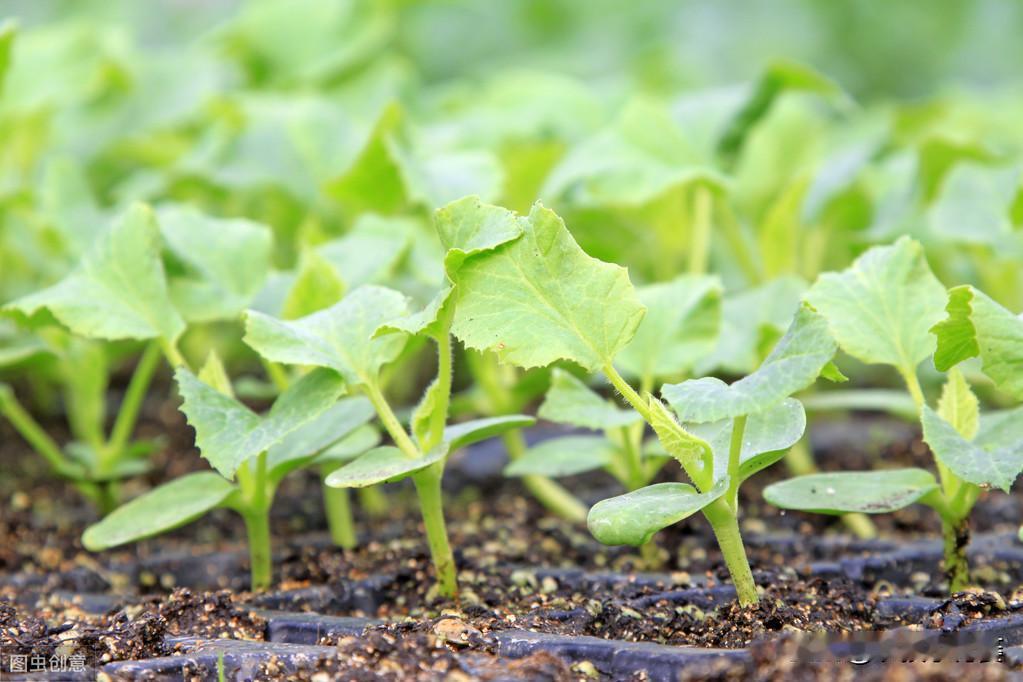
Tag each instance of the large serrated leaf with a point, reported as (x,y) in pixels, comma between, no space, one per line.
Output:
(767,435)
(119,291)
(794,364)
(882,307)
(633,518)
(540,298)
(976,325)
(570,401)
(340,337)
(681,326)
(165,508)
(383,465)
(866,492)
(228,434)
(981,463)
(564,456)
(227,262)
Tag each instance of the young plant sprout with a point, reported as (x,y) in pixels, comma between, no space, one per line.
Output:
(367,330)
(538,299)
(888,308)
(251,454)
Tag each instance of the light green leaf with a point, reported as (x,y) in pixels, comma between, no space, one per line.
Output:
(468,227)
(866,492)
(794,364)
(371,251)
(570,401)
(881,308)
(974,204)
(565,456)
(681,326)
(540,299)
(362,439)
(226,262)
(687,448)
(633,518)
(1000,429)
(383,465)
(306,442)
(959,406)
(7,32)
(430,321)
(213,374)
(317,286)
(165,508)
(976,325)
(119,290)
(340,337)
(466,433)
(431,408)
(984,464)
(768,434)
(228,434)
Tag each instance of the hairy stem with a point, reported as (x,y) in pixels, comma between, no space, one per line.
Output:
(956,535)
(431,505)
(390,421)
(128,414)
(726,529)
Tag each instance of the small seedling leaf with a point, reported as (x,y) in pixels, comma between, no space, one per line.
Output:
(687,448)
(633,518)
(306,442)
(565,456)
(959,406)
(988,463)
(867,492)
(170,506)
(570,401)
(465,434)
(383,465)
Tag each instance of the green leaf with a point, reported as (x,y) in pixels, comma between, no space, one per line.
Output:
(974,204)
(1000,429)
(570,401)
(214,375)
(468,227)
(882,307)
(687,448)
(309,440)
(383,465)
(431,321)
(976,325)
(119,291)
(794,364)
(466,433)
(428,409)
(981,463)
(540,299)
(371,251)
(768,434)
(565,456)
(633,518)
(7,32)
(170,506)
(959,406)
(362,439)
(681,326)
(340,337)
(317,286)
(866,492)
(226,262)
(228,434)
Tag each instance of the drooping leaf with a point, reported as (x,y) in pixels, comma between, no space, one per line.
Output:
(768,434)
(229,434)
(540,299)
(339,337)
(306,442)
(227,262)
(317,286)
(881,308)
(794,364)
(570,401)
(976,325)
(990,464)
(466,433)
(564,456)
(959,406)
(165,508)
(633,518)
(119,291)
(866,492)
(681,326)
(383,465)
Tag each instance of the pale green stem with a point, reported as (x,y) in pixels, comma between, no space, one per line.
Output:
(128,414)
(390,421)
(431,504)
(438,419)
(734,460)
(373,501)
(278,375)
(174,356)
(633,462)
(255,510)
(726,530)
(339,517)
(699,246)
(732,233)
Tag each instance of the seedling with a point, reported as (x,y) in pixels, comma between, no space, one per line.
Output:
(121,291)
(539,298)
(888,308)
(251,454)
(367,330)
